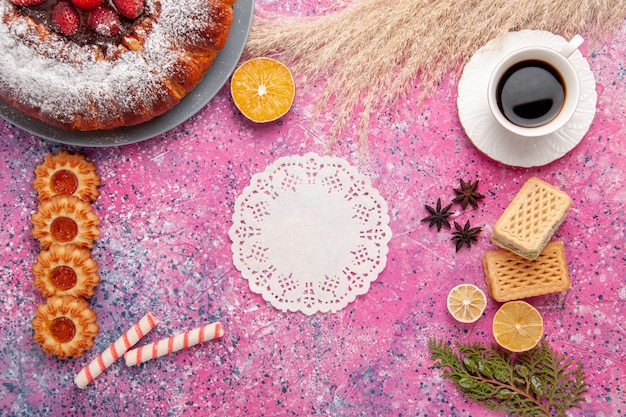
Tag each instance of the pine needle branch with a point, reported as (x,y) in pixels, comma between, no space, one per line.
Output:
(539,382)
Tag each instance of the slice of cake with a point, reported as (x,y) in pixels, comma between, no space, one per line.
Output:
(511,277)
(532,217)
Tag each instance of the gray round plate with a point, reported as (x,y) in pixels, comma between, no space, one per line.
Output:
(212,82)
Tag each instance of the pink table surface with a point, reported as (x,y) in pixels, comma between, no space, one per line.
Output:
(166,206)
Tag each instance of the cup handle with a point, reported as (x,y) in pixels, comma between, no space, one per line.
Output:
(572,46)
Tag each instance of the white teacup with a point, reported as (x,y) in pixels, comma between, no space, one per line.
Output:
(534,91)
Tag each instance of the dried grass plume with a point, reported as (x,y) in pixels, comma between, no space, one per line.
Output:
(372,51)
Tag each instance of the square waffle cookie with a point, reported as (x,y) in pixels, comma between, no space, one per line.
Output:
(511,277)
(532,217)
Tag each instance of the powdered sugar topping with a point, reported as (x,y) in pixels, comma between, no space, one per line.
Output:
(62,77)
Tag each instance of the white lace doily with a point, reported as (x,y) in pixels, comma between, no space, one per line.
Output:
(310,233)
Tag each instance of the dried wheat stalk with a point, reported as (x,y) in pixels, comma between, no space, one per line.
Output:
(373,51)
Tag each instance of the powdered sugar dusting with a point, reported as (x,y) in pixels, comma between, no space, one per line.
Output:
(66,80)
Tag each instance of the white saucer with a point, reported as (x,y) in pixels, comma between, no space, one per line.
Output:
(497,142)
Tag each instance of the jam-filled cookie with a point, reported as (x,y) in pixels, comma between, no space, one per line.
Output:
(66,270)
(67,174)
(65,219)
(65,326)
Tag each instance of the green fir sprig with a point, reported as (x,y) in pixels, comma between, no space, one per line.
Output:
(538,382)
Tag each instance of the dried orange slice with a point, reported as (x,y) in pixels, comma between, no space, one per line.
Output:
(466,302)
(263,89)
(517,326)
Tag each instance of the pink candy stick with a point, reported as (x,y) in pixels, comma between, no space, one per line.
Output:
(117,349)
(173,344)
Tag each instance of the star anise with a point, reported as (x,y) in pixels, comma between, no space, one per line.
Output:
(467,194)
(439,216)
(465,235)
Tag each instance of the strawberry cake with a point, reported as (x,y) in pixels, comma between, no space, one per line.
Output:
(102,64)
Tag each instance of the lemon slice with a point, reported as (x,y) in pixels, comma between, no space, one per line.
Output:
(517,326)
(466,302)
(262,89)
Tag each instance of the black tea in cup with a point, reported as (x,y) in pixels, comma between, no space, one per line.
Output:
(531,93)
